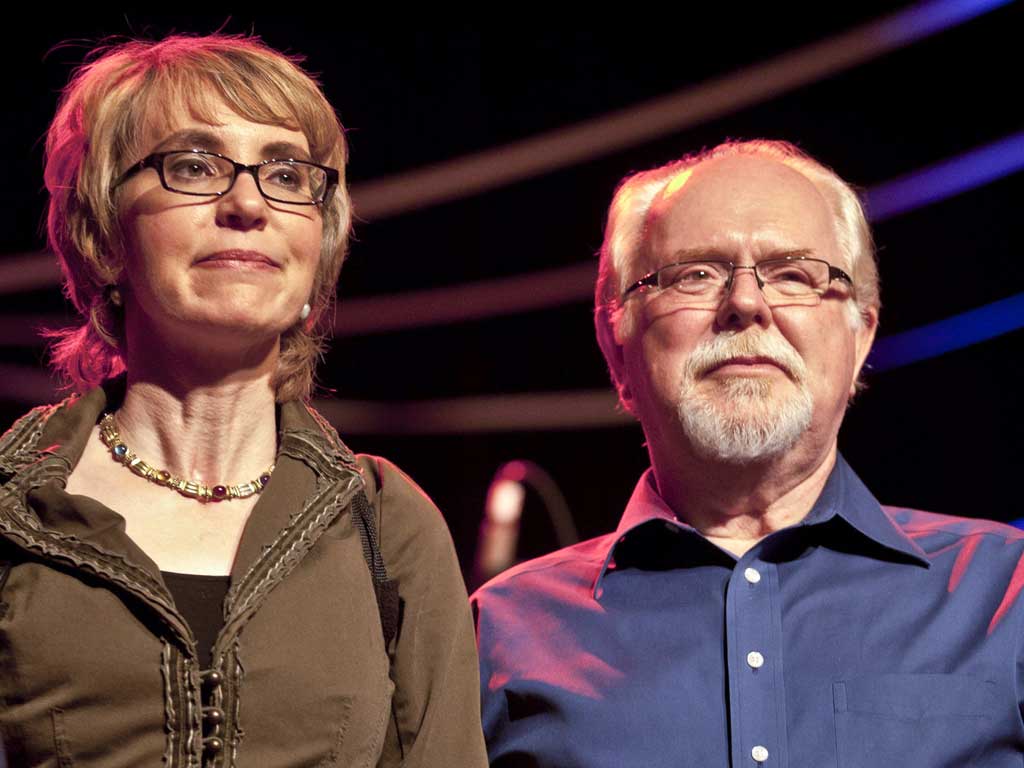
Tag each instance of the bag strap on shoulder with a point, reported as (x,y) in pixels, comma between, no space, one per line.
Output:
(385,589)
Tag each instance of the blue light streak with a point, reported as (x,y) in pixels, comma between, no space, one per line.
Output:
(928,18)
(947,335)
(946,179)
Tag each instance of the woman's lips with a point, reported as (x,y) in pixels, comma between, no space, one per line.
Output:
(238,259)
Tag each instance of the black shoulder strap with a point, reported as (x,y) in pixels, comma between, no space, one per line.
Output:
(386,590)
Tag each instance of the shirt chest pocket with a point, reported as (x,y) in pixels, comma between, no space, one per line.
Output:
(925,720)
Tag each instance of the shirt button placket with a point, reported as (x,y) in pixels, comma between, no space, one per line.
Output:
(751,637)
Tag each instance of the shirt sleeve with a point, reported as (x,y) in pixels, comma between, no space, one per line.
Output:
(494,708)
(436,703)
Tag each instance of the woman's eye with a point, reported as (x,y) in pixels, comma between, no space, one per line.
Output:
(285,176)
(192,168)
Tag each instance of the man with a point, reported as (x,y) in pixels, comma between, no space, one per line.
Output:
(756,606)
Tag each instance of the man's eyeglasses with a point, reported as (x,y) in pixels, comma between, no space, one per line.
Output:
(193,172)
(790,280)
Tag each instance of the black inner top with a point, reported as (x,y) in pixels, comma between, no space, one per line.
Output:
(201,601)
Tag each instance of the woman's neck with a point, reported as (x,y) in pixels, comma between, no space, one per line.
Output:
(200,423)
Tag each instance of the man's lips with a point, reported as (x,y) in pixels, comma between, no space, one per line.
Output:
(238,258)
(750,363)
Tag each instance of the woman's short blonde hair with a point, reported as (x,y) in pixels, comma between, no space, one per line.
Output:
(104,113)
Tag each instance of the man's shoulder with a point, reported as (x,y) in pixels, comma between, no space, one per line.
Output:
(563,572)
(933,531)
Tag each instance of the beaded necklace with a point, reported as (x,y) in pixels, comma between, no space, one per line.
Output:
(190,488)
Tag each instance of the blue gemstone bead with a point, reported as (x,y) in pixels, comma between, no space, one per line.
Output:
(120,450)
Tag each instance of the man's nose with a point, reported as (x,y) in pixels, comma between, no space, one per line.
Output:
(743,304)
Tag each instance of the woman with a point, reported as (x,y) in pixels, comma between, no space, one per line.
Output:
(194,568)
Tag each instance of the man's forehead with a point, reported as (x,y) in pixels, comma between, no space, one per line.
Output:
(741,202)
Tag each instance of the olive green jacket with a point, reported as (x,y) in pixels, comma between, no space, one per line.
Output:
(98,667)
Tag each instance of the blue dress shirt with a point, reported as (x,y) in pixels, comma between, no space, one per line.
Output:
(863,637)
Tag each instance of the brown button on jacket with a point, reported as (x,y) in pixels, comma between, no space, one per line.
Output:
(98,668)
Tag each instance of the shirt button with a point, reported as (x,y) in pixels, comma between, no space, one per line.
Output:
(755,660)
(752,575)
(759,753)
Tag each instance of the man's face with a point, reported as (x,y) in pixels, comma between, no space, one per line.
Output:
(743,381)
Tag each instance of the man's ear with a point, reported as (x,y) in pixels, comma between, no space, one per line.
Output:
(865,338)
(607,324)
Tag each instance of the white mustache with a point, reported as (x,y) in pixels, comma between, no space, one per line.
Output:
(727,346)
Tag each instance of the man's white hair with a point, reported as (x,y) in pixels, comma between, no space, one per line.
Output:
(628,218)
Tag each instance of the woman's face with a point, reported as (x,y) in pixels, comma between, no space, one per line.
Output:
(235,268)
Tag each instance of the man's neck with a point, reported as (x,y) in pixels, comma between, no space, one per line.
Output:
(735,506)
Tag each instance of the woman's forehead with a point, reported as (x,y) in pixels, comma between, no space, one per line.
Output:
(217,126)
(170,107)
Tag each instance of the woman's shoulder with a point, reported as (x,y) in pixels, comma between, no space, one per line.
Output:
(20,441)
(402,509)
(398,499)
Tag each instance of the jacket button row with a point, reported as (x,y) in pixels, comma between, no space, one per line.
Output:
(211,678)
(213,716)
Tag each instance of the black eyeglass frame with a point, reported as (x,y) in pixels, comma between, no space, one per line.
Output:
(650,280)
(156,162)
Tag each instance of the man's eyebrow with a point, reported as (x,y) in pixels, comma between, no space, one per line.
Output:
(788,253)
(717,254)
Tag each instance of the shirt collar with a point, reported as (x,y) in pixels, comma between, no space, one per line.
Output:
(844,496)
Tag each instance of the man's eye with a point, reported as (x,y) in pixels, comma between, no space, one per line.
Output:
(791,275)
(688,274)
(694,275)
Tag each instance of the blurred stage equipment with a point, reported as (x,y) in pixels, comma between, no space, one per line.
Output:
(503,512)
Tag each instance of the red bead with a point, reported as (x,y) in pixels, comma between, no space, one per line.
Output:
(220,492)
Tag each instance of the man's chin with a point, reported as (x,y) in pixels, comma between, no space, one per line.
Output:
(723,391)
(744,419)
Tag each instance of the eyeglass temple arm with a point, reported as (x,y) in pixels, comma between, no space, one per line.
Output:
(835,273)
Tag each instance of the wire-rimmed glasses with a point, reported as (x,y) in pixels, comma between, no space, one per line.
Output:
(705,282)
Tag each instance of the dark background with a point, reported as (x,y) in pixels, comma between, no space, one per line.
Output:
(943,434)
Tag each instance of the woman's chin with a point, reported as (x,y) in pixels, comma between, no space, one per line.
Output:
(225,334)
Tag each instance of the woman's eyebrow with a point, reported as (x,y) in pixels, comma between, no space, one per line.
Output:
(285,150)
(192,138)
(197,138)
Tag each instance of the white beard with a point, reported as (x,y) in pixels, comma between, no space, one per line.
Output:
(744,419)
